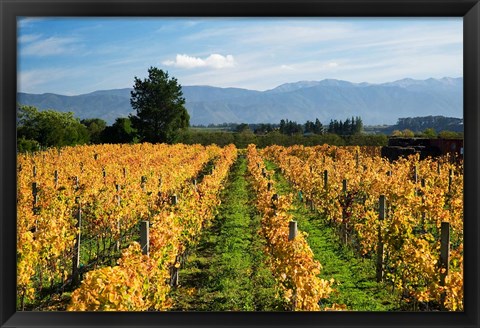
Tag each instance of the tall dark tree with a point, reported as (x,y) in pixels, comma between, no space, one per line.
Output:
(358,125)
(263,128)
(243,127)
(290,127)
(318,127)
(347,127)
(159,103)
(283,125)
(335,127)
(309,127)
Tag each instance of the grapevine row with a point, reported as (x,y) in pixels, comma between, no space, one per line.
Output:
(141,282)
(115,186)
(292,261)
(346,184)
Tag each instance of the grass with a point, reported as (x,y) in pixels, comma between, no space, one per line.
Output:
(355,277)
(227,270)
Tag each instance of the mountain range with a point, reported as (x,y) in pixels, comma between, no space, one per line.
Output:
(299,101)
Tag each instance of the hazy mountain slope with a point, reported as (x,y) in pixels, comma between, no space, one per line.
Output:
(300,101)
(107,105)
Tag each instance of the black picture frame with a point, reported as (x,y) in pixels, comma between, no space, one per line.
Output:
(11,9)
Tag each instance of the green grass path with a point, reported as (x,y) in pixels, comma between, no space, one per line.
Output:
(227,270)
(357,287)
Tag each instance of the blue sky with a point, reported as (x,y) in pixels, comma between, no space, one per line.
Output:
(79,55)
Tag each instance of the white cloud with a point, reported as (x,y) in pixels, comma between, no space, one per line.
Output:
(41,80)
(29,21)
(263,52)
(214,61)
(28,81)
(219,61)
(287,67)
(280,33)
(185,61)
(26,38)
(289,37)
(50,46)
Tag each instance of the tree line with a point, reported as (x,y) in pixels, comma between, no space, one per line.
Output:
(42,129)
(349,127)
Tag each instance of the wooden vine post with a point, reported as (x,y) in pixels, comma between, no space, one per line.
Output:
(325,179)
(344,227)
(174,271)
(292,230)
(174,199)
(35,208)
(274,202)
(422,194)
(450,176)
(76,249)
(174,276)
(444,259)
(77,183)
(415,174)
(35,197)
(144,237)
(117,196)
(292,233)
(381,217)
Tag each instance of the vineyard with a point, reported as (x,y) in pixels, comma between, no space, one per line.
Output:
(161,227)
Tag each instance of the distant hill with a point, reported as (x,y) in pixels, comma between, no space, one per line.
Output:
(299,101)
(104,104)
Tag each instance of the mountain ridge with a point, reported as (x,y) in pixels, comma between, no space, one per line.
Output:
(327,99)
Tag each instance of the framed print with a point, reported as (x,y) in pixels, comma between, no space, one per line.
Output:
(237,163)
